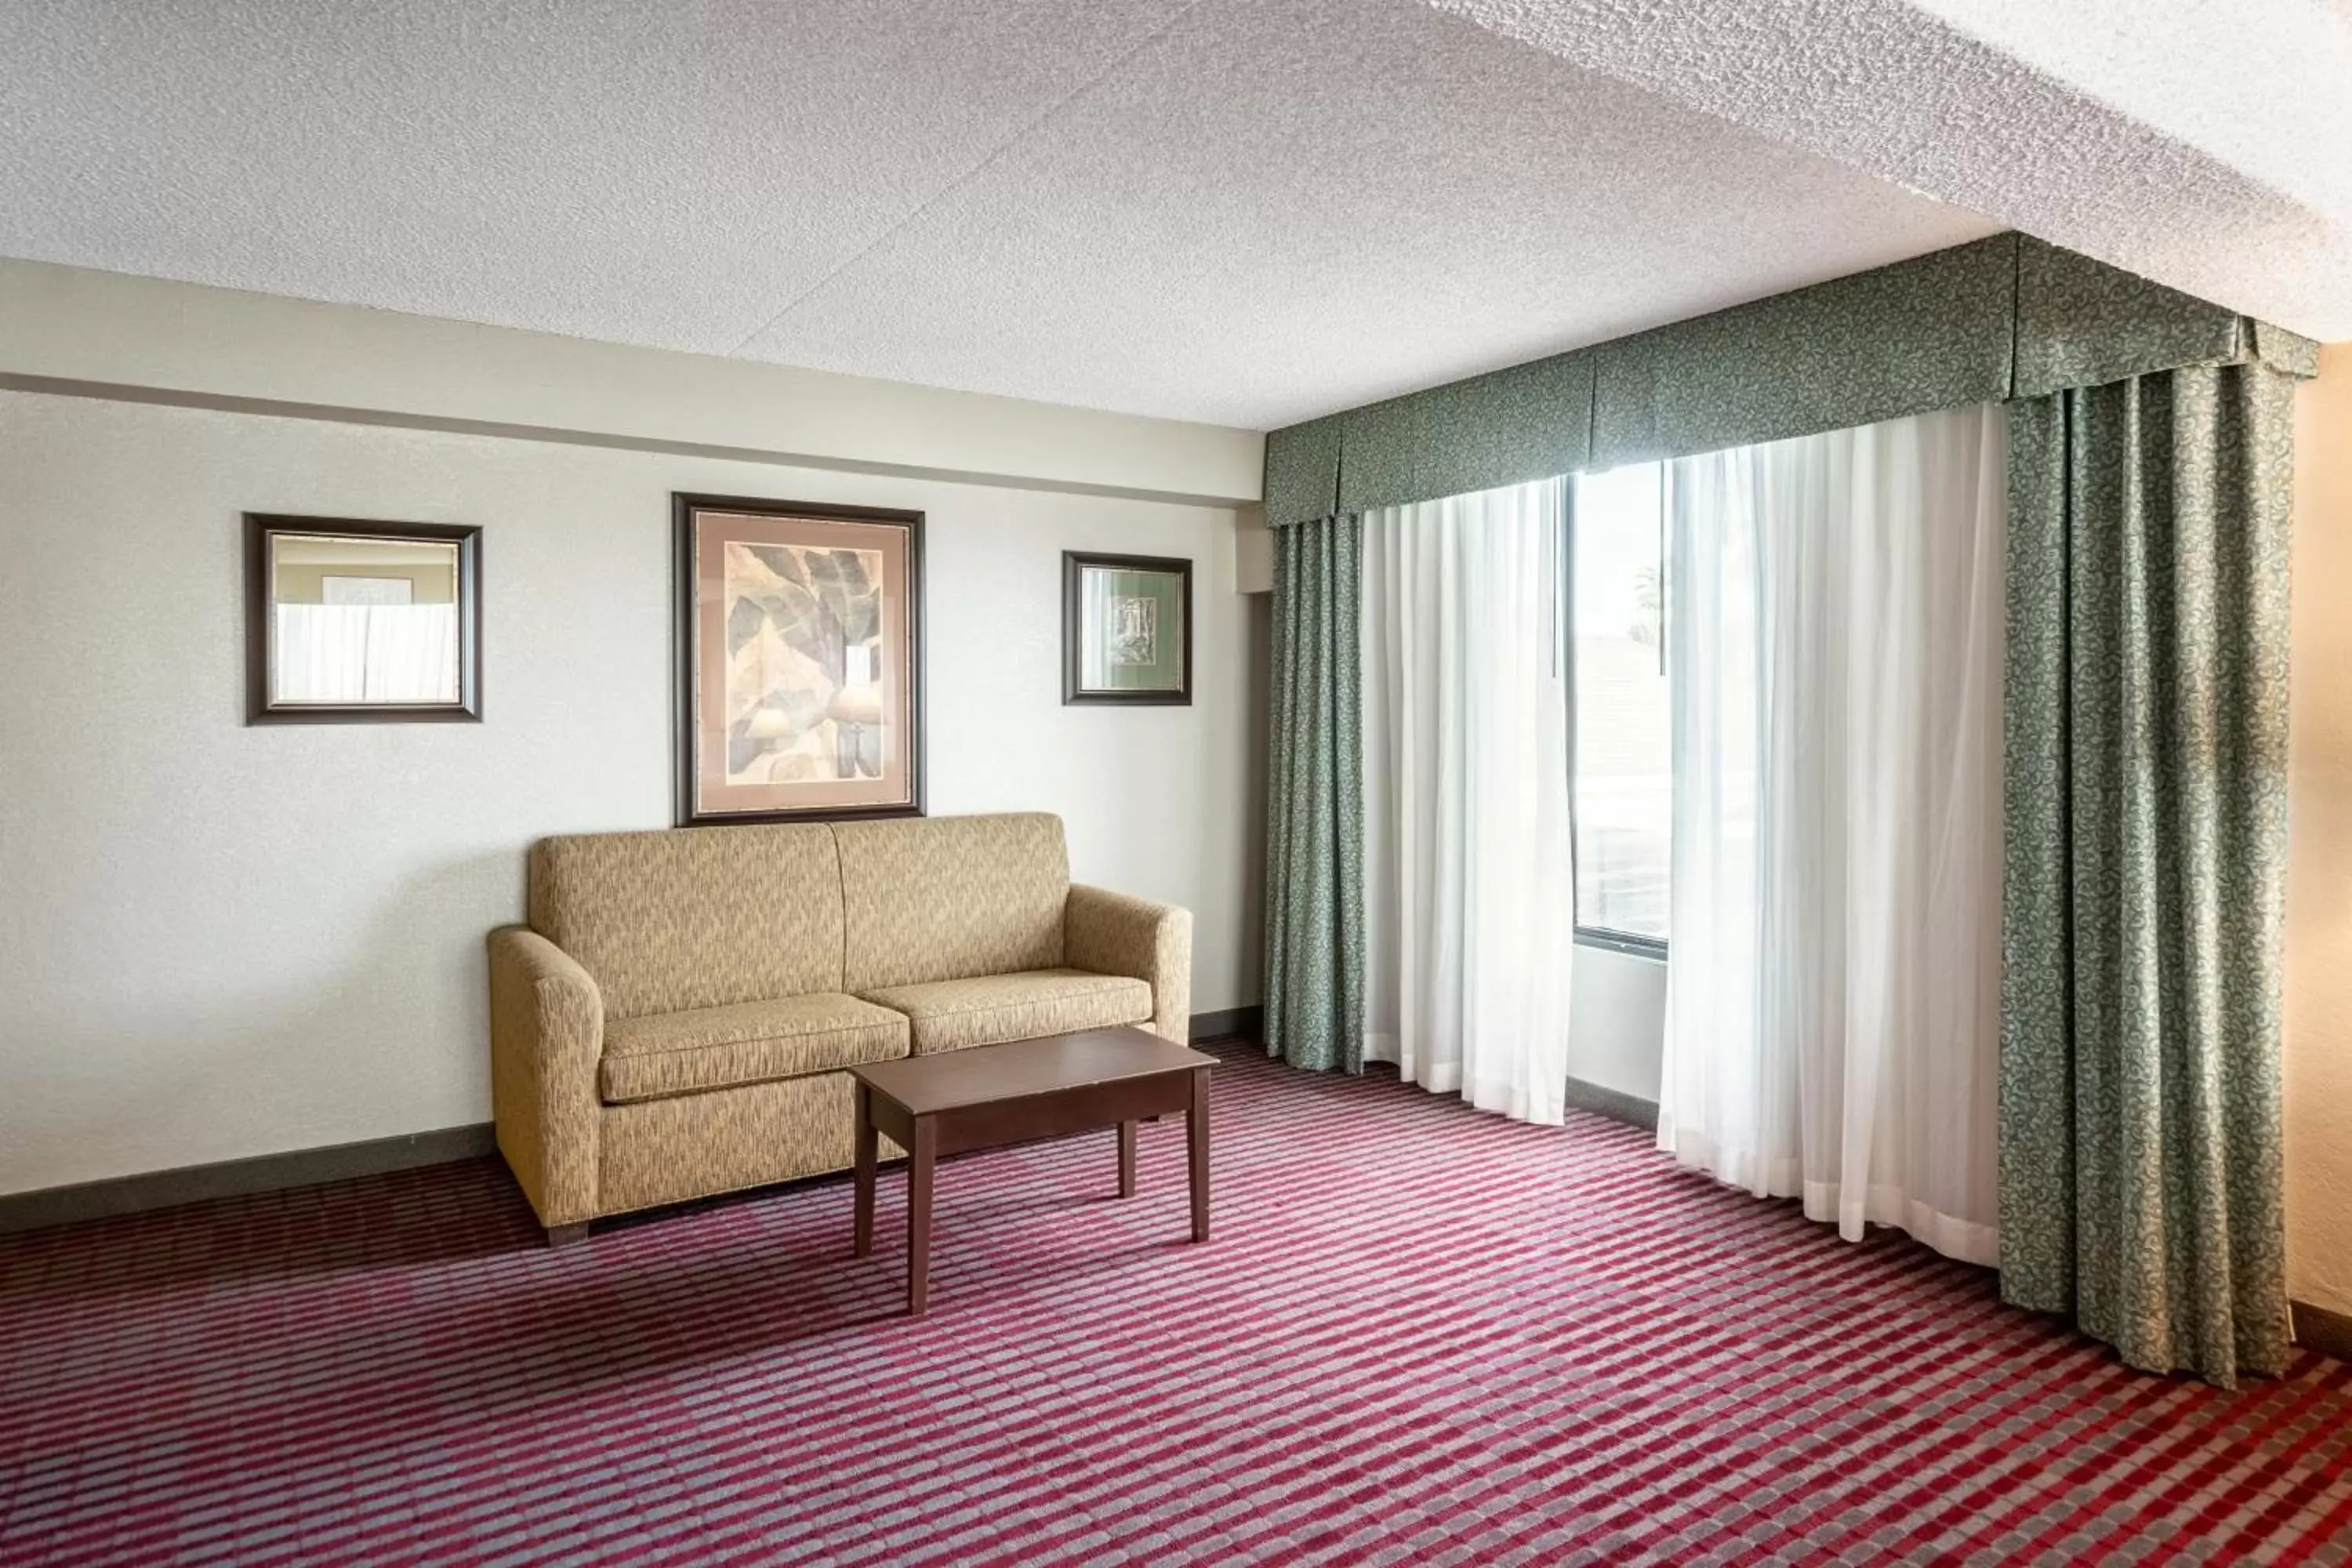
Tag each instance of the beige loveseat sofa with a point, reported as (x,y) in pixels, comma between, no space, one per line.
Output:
(676,1019)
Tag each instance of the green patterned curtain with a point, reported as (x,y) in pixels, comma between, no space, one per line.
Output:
(1315,812)
(2141,1161)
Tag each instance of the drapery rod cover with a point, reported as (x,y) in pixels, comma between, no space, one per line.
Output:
(1998,318)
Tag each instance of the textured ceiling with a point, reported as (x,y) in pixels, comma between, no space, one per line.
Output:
(1223,231)
(635,170)
(2205,143)
(1241,211)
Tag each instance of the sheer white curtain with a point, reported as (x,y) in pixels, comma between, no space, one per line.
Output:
(367,653)
(1832,1015)
(1469,915)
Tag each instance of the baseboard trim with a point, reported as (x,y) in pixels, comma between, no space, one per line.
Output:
(340,1162)
(1631,1108)
(2316,1328)
(236,1178)
(1233,1024)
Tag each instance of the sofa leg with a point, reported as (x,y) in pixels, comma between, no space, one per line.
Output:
(565,1235)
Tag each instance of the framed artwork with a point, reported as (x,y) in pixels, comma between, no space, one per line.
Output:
(1127,629)
(799,661)
(367,590)
(362,623)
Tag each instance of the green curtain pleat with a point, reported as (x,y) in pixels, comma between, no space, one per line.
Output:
(2141,1150)
(1315,826)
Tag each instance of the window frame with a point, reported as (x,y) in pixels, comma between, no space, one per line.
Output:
(1606,939)
(1601,937)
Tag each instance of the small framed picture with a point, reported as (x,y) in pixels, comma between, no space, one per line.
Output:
(799,661)
(362,623)
(1127,629)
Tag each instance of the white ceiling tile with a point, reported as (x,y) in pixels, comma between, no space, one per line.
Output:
(1280,208)
(633,170)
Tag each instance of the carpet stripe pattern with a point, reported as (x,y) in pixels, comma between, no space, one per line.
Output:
(1422,1335)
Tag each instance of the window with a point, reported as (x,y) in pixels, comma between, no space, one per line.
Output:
(1624,752)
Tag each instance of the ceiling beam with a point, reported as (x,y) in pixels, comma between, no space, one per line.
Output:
(75,332)
(2204,147)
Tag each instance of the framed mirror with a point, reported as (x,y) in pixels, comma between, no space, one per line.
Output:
(372,623)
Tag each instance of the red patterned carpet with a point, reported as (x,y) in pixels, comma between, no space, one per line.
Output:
(1423,1336)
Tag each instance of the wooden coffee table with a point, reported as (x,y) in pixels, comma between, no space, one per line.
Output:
(992,1095)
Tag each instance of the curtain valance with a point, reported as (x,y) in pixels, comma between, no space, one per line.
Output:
(1999,318)
(1530,422)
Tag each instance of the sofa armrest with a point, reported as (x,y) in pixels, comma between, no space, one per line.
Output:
(1112,933)
(547,1039)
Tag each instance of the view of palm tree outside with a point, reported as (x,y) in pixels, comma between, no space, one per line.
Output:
(1624,758)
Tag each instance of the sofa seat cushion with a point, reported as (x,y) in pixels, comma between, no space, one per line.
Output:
(744,1042)
(950,1015)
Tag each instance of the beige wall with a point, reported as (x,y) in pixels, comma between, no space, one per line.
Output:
(2319,875)
(220,940)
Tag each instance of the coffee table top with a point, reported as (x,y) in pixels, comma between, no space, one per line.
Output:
(982,1075)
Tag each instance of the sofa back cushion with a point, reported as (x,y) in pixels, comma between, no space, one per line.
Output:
(946,897)
(693,916)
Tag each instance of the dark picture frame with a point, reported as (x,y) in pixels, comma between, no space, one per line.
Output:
(263,706)
(1075,634)
(711,741)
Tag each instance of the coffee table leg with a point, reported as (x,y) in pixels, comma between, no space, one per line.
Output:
(1126,1159)
(918,1215)
(863,1227)
(1196,1132)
